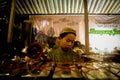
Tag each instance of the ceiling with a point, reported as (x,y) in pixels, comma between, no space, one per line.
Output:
(33,7)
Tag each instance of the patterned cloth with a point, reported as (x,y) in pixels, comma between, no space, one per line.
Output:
(61,56)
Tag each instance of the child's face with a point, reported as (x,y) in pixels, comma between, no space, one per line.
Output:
(67,42)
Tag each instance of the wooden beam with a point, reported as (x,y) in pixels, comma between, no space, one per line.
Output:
(11,21)
(86,26)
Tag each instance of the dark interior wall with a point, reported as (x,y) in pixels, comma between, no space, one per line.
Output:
(3,34)
(4,23)
(18,34)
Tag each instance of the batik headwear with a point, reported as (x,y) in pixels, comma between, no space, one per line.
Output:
(68,30)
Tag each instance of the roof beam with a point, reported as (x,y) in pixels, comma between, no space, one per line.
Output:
(117,2)
(61,10)
(36,6)
(92,6)
(48,4)
(52,6)
(117,8)
(25,7)
(69,2)
(101,5)
(44,7)
(56,6)
(110,5)
(72,6)
(3,3)
(105,7)
(76,7)
(21,7)
(80,7)
(89,5)
(29,7)
(97,6)
(17,9)
(40,6)
(65,6)
(33,7)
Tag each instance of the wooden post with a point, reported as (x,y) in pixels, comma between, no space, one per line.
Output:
(86,26)
(11,21)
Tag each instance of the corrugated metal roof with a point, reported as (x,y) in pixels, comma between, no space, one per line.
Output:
(63,6)
(67,6)
(4,6)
